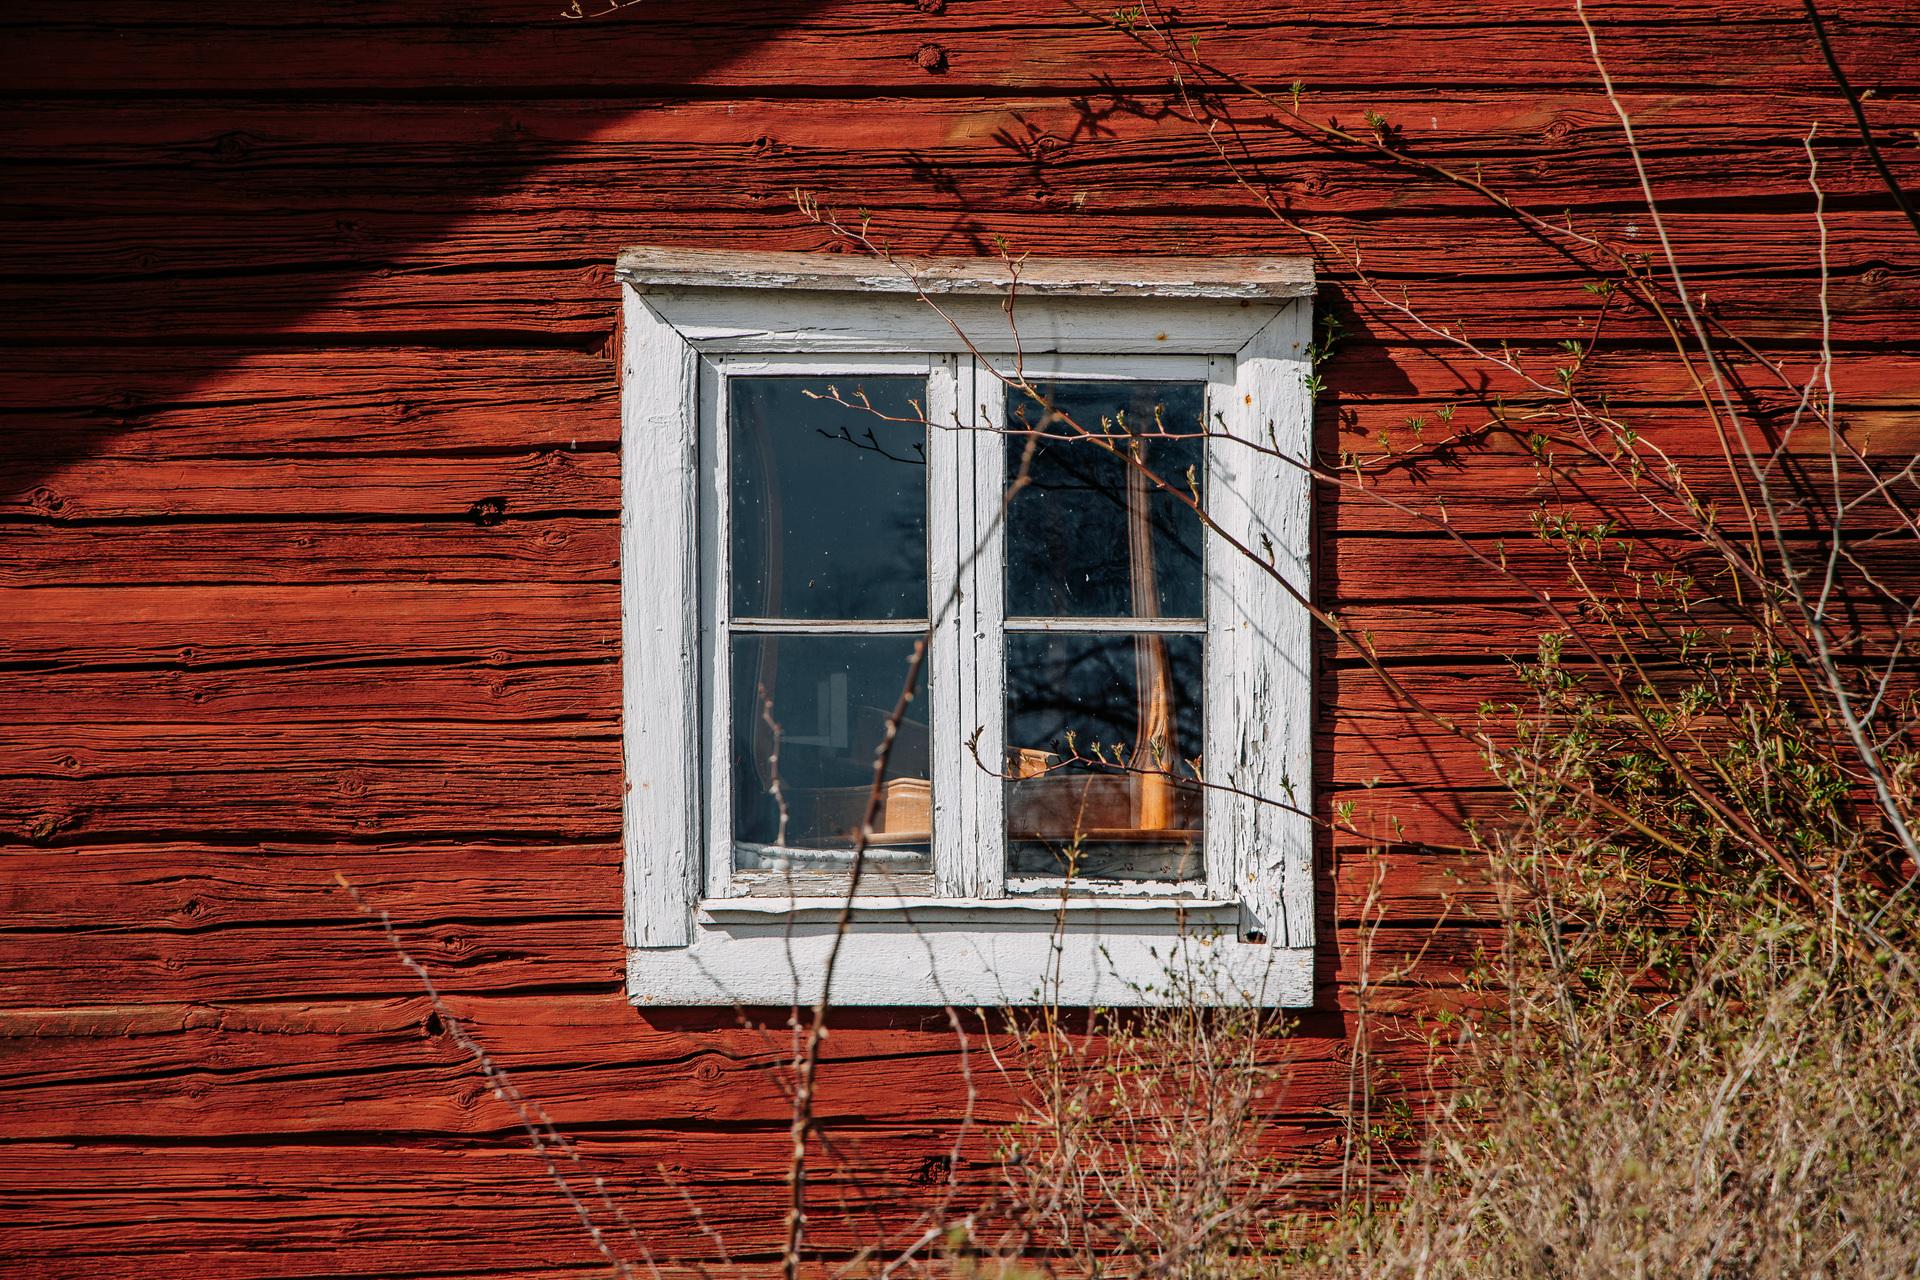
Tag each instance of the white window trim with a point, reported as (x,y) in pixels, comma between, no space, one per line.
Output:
(1249,932)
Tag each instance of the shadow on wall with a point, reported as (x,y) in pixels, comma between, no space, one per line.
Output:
(189,188)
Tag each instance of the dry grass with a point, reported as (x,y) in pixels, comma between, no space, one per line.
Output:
(1760,1123)
(1139,1153)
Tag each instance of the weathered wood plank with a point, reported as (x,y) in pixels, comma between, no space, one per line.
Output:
(1883,435)
(1356,565)
(234,136)
(868,47)
(310,962)
(560,780)
(1867,296)
(304,691)
(1489,496)
(197,626)
(768,15)
(316,1209)
(572,304)
(152,213)
(181,886)
(329,1210)
(426,778)
(1376,733)
(204,1071)
(541,550)
(318,961)
(482,489)
(501,626)
(189,403)
(1496,493)
(1629,375)
(524,248)
(176,402)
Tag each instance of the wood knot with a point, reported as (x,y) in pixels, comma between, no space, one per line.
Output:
(1556,133)
(931,6)
(707,1071)
(488,511)
(930,58)
(1042,147)
(933,1169)
(229,147)
(1875,277)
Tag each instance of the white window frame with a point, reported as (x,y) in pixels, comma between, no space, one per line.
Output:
(695,933)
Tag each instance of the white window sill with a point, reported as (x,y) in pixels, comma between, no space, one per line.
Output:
(1212,913)
(971,952)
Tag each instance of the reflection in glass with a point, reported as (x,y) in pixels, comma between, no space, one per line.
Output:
(829,500)
(1090,535)
(1103,754)
(808,714)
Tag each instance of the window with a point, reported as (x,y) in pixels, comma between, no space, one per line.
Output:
(1103,770)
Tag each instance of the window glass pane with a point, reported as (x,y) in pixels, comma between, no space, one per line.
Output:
(1089,535)
(829,501)
(808,715)
(1103,744)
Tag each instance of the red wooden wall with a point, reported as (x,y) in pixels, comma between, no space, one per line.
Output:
(307,544)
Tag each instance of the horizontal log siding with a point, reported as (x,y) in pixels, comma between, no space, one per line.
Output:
(308,535)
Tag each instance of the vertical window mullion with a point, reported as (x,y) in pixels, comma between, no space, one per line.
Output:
(987,700)
(947,658)
(962,526)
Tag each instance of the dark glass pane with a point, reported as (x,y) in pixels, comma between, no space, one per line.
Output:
(808,715)
(1089,536)
(1103,740)
(829,503)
